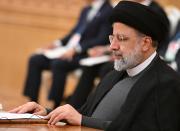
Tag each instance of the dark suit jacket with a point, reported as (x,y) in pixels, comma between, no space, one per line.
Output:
(97,30)
(153,104)
(178,61)
(176,38)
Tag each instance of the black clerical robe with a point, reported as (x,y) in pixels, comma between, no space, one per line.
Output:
(153,104)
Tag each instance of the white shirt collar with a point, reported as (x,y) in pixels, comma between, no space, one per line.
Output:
(146,2)
(139,68)
(97,4)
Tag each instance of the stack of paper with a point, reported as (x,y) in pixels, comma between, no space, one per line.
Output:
(55,53)
(13,116)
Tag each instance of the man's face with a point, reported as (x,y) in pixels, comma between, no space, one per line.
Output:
(126,47)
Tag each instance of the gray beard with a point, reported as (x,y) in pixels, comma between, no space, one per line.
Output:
(131,60)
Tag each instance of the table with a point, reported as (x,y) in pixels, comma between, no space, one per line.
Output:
(43,127)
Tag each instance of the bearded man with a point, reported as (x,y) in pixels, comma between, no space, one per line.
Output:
(142,93)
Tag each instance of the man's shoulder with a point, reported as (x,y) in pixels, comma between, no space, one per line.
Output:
(107,7)
(165,72)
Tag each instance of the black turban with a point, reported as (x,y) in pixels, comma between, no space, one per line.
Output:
(141,18)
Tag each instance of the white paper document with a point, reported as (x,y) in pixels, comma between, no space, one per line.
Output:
(91,61)
(55,53)
(13,116)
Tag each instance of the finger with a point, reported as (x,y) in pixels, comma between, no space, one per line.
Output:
(23,110)
(50,114)
(15,110)
(55,120)
(57,111)
(52,118)
(58,118)
(47,117)
(39,112)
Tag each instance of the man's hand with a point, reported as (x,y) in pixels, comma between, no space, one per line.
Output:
(32,107)
(69,54)
(66,112)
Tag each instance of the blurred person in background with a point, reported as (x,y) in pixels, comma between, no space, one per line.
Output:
(91,29)
(173,52)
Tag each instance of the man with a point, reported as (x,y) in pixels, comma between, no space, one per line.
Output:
(86,81)
(177,39)
(92,29)
(173,52)
(136,96)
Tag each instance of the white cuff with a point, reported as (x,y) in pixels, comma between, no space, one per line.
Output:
(57,43)
(78,48)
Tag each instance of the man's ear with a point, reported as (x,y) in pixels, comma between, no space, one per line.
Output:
(147,43)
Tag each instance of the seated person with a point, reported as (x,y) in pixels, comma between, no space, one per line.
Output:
(177,58)
(173,52)
(86,82)
(136,96)
(92,29)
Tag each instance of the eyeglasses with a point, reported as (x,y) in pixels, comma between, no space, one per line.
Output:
(119,38)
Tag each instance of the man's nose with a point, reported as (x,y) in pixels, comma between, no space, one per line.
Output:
(114,45)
